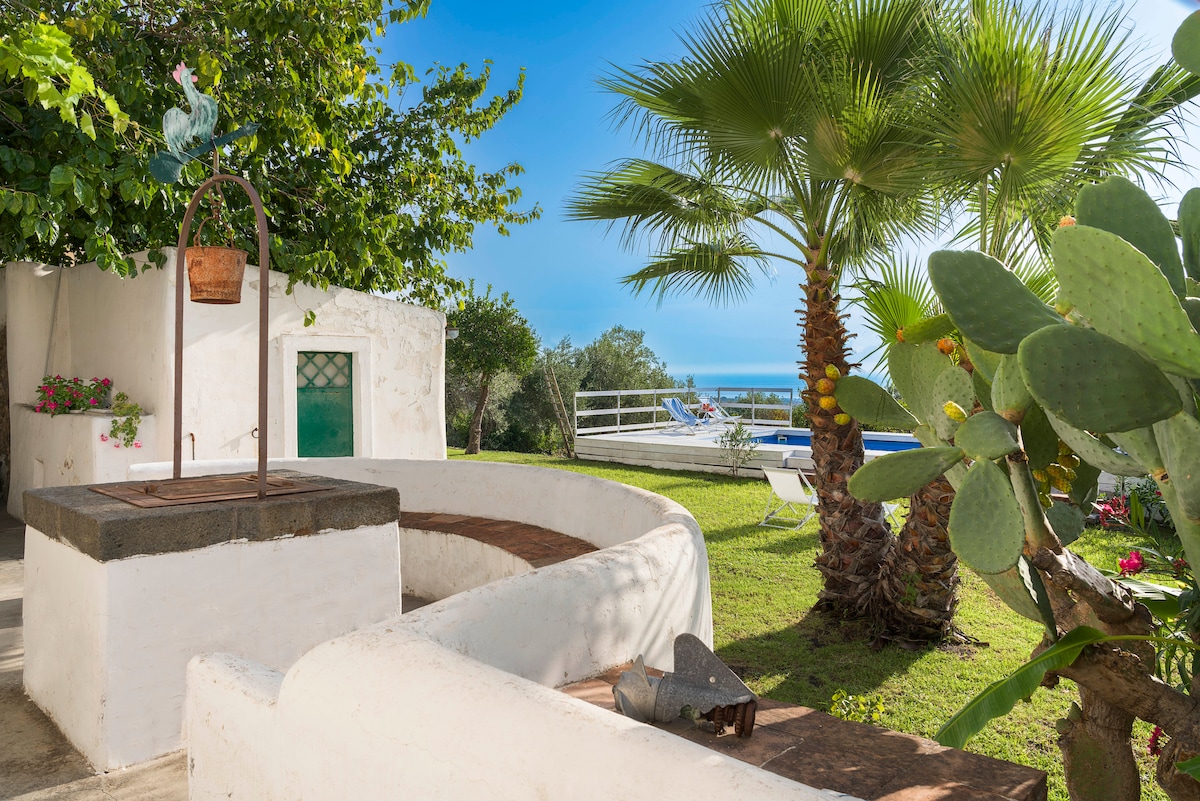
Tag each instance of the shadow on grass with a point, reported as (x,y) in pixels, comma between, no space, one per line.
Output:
(807,662)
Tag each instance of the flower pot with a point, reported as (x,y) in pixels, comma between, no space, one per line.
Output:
(215,274)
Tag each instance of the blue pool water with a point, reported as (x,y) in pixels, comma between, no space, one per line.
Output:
(805,439)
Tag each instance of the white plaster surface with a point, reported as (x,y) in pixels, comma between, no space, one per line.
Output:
(438,565)
(66,449)
(107,644)
(455,699)
(103,325)
(385,713)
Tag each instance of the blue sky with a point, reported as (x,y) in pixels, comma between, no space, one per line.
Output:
(564,276)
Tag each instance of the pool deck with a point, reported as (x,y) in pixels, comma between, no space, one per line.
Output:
(680,449)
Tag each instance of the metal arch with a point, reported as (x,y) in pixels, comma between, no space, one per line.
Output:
(263,293)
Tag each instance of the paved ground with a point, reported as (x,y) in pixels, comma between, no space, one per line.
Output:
(36,761)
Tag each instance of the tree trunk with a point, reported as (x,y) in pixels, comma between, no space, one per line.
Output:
(1098,761)
(919,588)
(854,541)
(475,435)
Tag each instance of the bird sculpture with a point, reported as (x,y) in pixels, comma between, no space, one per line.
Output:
(180,128)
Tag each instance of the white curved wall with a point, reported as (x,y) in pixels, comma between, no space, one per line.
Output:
(438,565)
(456,700)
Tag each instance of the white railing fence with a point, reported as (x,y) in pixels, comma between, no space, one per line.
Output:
(763,406)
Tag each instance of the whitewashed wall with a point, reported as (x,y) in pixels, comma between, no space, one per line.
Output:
(66,450)
(124,329)
(455,700)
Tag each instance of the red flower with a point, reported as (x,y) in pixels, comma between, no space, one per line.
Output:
(1154,749)
(1134,564)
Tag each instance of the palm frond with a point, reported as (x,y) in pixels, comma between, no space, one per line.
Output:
(646,196)
(718,270)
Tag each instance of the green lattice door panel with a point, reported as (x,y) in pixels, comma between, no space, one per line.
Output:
(324,404)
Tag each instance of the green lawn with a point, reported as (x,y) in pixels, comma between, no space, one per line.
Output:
(764,586)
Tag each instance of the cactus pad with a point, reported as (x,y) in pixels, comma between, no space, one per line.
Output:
(1093,451)
(1191,307)
(936,327)
(986,528)
(1038,438)
(1122,294)
(953,385)
(983,390)
(1066,521)
(985,361)
(1010,396)
(1086,486)
(1142,446)
(1012,589)
(1121,207)
(988,303)
(867,401)
(1094,382)
(900,474)
(913,369)
(1185,46)
(1189,231)
(986,435)
(1179,442)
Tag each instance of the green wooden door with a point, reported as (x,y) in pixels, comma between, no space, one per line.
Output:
(324,404)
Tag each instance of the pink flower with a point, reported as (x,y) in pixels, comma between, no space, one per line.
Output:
(52,405)
(178,74)
(116,444)
(104,437)
(93,401)
(137,443)
(49,390)
(1154,748)
(107,382)
(1134,564)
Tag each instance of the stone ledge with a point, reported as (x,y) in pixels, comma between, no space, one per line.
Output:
(863,761)
(105,528)
(536,545)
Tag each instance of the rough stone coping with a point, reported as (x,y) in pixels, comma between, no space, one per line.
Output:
(105,528)
(537,546)
(863,761)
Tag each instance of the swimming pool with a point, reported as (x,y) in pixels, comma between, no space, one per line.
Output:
(872,440)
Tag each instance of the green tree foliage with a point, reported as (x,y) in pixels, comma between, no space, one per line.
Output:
(519,415)
(493,339)
(620,359)
(358,163)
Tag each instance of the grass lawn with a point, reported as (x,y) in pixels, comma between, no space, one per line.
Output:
(764,586)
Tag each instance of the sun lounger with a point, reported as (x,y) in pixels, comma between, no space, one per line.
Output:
(680,414)
(715,413)
(790,489)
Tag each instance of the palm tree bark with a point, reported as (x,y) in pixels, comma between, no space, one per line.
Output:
(475,436)
(854,540)
(919,586)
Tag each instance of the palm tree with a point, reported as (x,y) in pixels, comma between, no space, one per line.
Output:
(1031,103)
(918,583)
(784,135)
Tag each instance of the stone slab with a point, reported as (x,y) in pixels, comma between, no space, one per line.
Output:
(536,545)
(105,528)
(859,760)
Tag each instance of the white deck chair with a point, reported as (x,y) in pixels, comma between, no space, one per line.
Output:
(790,489)
(715,413)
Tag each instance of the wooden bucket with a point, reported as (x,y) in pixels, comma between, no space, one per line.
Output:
(215,274)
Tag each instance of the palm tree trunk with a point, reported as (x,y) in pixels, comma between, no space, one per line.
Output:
(854,540)
(475,435)
(919,588)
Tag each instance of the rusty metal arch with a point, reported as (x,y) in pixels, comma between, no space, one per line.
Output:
(263,300)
